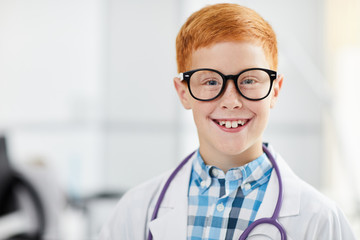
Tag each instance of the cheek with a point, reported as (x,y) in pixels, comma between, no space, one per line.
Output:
(261,109)
(201,111)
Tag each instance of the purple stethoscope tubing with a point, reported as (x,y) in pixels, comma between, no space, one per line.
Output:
(166,186)
(272,220)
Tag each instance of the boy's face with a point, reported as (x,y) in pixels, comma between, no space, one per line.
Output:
(221,146)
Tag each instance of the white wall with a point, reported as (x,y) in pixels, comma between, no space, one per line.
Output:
(51,71)
(140,103)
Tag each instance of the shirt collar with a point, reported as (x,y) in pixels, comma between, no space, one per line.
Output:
(248,176)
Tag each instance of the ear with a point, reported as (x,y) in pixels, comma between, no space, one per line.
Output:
(277,87)
(181,89)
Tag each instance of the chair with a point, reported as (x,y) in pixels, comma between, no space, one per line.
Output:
(18,197)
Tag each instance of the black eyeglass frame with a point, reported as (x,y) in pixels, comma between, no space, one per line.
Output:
(187,75)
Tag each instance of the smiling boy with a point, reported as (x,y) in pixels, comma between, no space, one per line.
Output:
(226,145)
(227,60)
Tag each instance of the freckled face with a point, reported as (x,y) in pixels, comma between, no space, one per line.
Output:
(218,142)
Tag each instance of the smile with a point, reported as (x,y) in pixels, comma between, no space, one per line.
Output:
(231,123)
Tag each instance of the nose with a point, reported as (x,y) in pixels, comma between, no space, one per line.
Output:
(231,98)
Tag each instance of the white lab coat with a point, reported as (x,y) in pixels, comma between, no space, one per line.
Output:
(305,213)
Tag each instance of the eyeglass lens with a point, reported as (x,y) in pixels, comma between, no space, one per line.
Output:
(207,84)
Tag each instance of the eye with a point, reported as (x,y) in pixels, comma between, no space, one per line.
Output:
(206,79)
(212,82)
(247,81)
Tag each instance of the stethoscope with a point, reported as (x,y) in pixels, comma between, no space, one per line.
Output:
(272,220)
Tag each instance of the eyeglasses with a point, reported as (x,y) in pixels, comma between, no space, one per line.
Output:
(206,84)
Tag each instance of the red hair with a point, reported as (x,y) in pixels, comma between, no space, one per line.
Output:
(224,22)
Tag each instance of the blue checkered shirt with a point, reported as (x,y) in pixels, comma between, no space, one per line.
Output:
(222,206)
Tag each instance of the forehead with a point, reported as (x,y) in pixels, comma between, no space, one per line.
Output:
(229,57)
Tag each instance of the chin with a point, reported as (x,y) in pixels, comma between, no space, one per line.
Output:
(232,149)
(238,149)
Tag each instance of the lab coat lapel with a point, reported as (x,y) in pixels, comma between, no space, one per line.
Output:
(171,222)
(291,202)
(172,219)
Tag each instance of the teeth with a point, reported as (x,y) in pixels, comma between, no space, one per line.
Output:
(232,124)
(241,122)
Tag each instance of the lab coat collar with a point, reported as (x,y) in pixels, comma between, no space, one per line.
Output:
(291,192)
(172,223)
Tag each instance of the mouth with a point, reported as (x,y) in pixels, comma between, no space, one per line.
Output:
(230,124)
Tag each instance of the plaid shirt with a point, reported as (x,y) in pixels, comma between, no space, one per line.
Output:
(222,206)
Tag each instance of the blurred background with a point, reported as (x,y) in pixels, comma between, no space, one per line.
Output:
(88,108)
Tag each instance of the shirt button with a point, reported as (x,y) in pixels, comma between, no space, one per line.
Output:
(203,184)
(247,186)
(220,207)
(215,172)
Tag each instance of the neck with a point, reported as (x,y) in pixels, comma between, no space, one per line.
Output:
(226,161)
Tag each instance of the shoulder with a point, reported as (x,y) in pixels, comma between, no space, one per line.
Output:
(145,190)
(132,214)
(325,218)
(128,220)
(300,192)
(315,203)
(143,194)
(318,217)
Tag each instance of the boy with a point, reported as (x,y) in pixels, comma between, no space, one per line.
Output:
(227,57)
